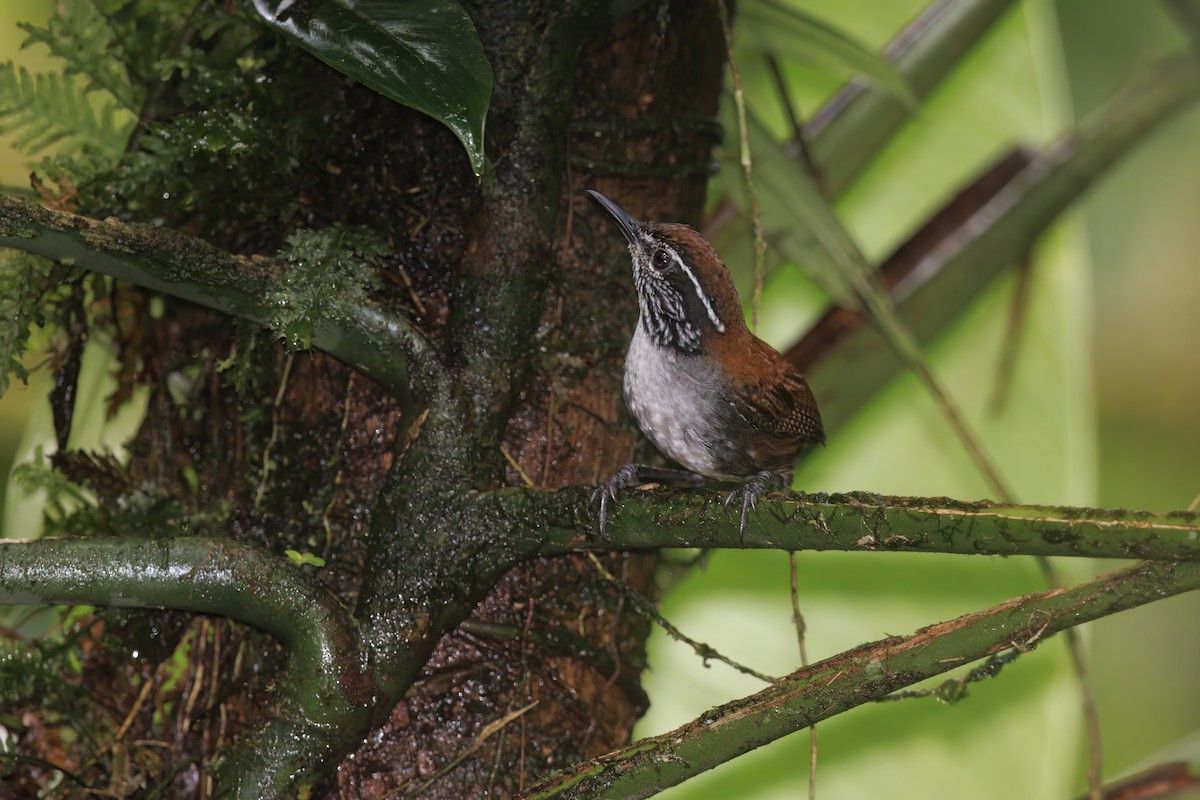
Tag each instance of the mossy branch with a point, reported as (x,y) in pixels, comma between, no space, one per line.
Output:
(866,673)
(380,344)
(551,523)
(328,690)
(325,691)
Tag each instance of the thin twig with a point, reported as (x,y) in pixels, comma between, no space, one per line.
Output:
(1012,336)
(266,458)
(858,676)
(488,731)
(966,435)
(1091,718)
(760,240)
(326,525)
(147,685)
(522,692)
(801,628)
(789,108)
(647,609)
(512,462)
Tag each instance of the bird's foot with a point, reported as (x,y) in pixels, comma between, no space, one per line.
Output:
(624,478)
(632,475)
(753,489)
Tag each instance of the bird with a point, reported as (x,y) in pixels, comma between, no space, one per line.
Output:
(706,391)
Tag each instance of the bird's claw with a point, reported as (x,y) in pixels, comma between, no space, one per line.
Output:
(623,478)
(753,489)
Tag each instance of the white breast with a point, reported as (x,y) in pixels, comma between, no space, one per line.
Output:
(672,397)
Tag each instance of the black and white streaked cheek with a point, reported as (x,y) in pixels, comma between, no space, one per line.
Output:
(705,300)
(674,334)
(665,317)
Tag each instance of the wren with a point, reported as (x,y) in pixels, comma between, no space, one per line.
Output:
(708,393)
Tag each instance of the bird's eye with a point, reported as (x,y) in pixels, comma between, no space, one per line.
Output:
(661,260)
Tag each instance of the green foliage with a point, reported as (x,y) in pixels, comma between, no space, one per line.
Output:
(789,32)
(226,158)
(53,109)
(332,270)
(251,361)
(33,669)
(127,49)
(183,111)
(305,558)
(220,137)
(65,499)
(85,40)
(87,111)
(130,59)
(98,498)
(22,283)
(425,55)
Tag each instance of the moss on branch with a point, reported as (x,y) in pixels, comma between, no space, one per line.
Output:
(866,673)
(380,344)
(551,523)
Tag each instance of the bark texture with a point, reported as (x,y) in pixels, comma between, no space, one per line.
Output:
(524,291)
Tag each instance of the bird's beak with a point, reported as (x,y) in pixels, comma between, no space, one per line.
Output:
(627,221)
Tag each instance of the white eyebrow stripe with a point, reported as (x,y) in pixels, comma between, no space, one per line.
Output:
(712,313)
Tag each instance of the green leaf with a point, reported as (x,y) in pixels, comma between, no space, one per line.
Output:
(21,277)
(799,222)
(301,559)
(44,110)
(816,237)
(853,126)
(791,33)
(1187,13)
(424,54)
(82,35)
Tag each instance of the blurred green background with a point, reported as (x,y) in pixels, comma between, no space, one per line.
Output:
(1101,411)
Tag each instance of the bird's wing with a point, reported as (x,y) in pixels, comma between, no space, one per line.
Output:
(783,405)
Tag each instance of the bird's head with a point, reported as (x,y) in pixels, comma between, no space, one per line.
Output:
(684,290)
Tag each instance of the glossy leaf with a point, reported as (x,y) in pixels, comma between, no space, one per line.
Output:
(791,33)
(424,54)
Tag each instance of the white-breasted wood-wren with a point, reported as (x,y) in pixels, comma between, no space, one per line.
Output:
(708,393)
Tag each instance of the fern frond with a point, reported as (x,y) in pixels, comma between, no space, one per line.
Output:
(332,271)
(84,39)
(21,286)
(47,109)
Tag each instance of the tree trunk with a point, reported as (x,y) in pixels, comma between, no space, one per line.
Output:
(554,632)
(518,273)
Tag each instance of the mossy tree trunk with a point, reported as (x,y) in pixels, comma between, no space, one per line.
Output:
(528,305)
(540,311)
